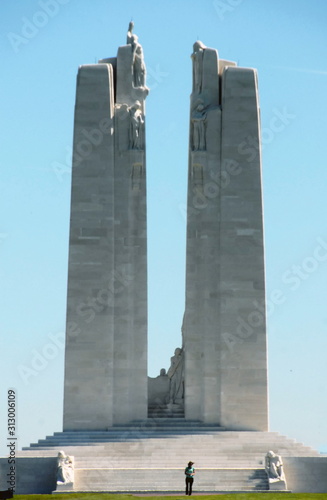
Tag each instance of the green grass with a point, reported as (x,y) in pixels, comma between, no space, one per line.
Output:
(229,496)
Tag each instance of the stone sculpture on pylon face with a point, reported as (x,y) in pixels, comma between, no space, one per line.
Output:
(197,57)
(198,120)
(136,126)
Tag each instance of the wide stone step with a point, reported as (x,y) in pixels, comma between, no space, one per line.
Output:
(163,414)
(156,412)
(200,458)
(211,442)
(152,423)
(134,447)
(212,433)
(171,446)
(157,464)
(165,479)
(134,458)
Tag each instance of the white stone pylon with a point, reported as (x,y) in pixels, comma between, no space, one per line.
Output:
(106,336)
(224,335)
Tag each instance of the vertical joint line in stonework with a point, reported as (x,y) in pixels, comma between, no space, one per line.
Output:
(136,176)
(220,91)
(197,175)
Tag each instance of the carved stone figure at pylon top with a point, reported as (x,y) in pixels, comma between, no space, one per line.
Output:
(130,33)
(197,58)
(138,66)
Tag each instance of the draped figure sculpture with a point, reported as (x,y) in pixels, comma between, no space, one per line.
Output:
(198,120)
(136,126)
(275,471)
(129,33)
(176,377)
(197,58)
(274,466)
(138,64)
(65,469)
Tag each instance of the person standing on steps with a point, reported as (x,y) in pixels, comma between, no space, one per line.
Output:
(189,473)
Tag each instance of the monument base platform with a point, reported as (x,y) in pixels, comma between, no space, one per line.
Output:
(150,456)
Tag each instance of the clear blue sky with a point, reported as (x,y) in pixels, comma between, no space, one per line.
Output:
(41,49)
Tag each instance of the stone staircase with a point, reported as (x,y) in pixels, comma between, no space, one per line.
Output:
(151,456)
(156,411)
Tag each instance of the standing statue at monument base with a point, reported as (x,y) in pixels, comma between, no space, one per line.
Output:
(176,378)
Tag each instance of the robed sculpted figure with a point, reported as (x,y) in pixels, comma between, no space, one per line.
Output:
(138,64)
(65,468)
(197,58)
(198,120)
(136,126)
(274,466)
(176,377)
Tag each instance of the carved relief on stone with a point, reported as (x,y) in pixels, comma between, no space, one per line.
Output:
(197,174)
(275,471)
(200,199)
(129,33)
(136,126)
(176,377)
(197,58)
(130,126)
(65,469)
(138,65)
(137,173)
(198,120)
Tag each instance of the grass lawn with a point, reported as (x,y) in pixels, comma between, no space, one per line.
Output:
(228,496)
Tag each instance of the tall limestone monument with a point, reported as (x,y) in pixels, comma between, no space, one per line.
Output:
(106,340)
(122,431)
(222,372)
(224,329)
